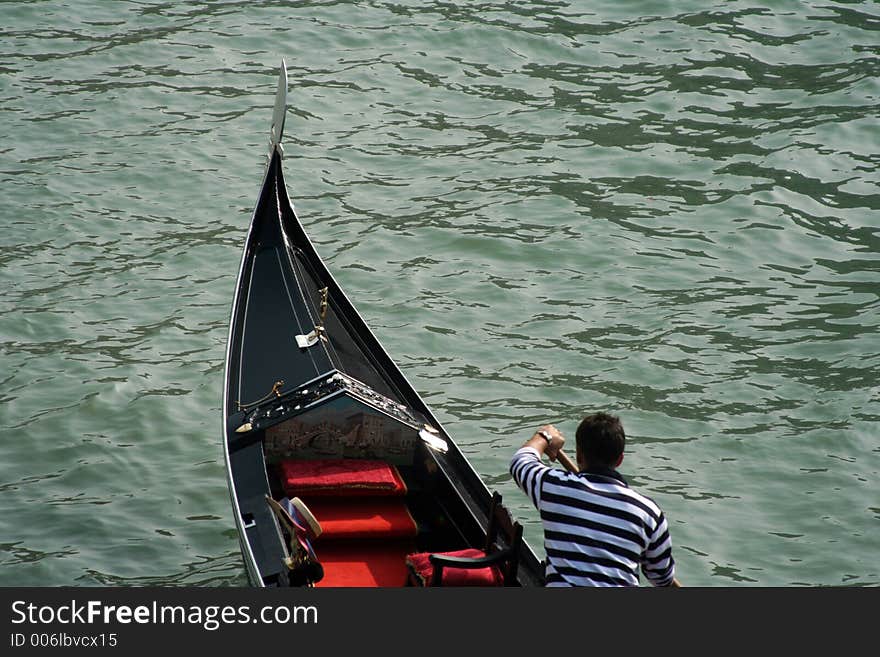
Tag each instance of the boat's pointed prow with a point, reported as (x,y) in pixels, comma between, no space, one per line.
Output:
(280,110)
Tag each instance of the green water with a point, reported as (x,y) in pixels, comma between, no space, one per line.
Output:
(666,210)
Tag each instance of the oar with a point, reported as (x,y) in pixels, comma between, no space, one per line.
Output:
(566,462)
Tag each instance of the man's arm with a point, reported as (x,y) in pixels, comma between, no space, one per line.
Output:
(659,566)
(526,466)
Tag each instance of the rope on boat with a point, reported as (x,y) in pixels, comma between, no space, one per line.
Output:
(276,391)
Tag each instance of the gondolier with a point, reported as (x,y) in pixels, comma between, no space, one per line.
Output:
(597,530)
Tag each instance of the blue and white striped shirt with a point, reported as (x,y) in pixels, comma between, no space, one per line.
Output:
(597,530)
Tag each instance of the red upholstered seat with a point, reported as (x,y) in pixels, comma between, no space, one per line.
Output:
(354,564)
(421,567)
(495,565)
(362,518)
(367,529)
(348,477)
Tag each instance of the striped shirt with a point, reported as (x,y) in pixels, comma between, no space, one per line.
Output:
(597,530)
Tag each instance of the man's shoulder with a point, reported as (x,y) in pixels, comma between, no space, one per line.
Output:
(645,500)
(623,492)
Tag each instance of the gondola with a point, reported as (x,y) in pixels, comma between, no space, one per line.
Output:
(339,474)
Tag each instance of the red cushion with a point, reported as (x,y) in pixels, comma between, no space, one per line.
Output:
(373,517)
(364,563)
(340,477)
(421,566)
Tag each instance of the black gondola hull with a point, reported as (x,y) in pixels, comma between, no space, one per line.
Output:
(318,397)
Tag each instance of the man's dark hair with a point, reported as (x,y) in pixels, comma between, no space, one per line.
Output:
(601,439)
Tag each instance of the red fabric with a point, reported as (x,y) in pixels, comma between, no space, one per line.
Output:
(420,564)
(374,517)
(340,477)
(364,563)
(367,530)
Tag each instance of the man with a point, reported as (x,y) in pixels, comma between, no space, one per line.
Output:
(597,530)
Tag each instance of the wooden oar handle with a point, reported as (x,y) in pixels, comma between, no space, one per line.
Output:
(566,462)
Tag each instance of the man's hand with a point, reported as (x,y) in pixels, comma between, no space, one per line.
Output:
(547,440)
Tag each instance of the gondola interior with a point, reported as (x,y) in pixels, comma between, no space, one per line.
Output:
(364,473)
